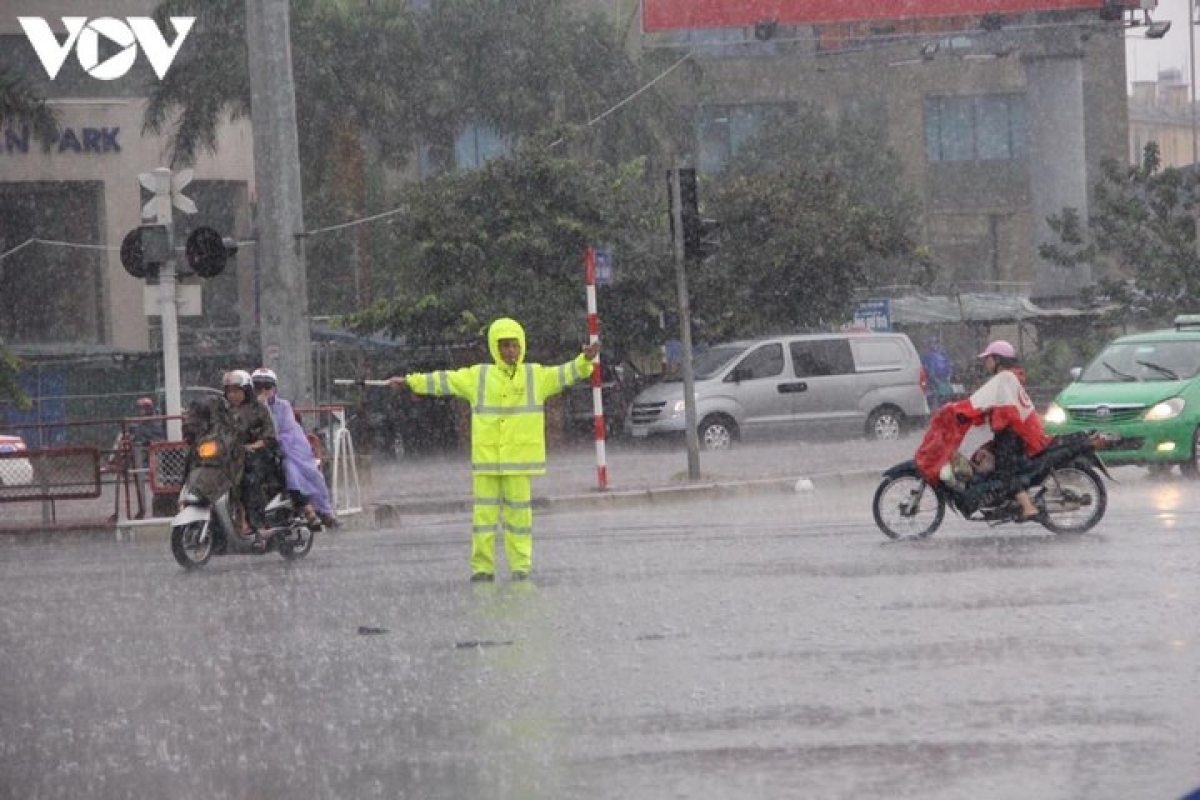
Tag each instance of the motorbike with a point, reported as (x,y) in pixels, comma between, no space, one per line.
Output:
(205,525)
(1064,481)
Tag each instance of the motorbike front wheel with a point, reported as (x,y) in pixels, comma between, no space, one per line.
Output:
(1073,497)
(191,544)
(906,507)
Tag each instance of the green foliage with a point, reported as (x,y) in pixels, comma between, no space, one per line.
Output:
(10,388)
(1142,221)
(509,240)
(20,105)
(811,212)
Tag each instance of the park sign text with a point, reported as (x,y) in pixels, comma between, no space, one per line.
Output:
(83,35)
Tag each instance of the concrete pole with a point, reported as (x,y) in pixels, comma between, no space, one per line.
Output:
(168,311)
(1057,163)
(283,304)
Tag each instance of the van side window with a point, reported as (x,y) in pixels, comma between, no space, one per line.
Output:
(822,357)
(765,362)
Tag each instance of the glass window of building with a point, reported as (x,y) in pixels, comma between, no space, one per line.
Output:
(975,128)
(722,131)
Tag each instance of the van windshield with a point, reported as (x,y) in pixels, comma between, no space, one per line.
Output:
(1144,362)
(709,363)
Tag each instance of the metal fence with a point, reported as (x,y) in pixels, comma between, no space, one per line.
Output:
(66,487)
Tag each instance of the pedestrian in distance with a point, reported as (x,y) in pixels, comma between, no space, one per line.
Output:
(299,467)
(147,429)
(938,374)
(508,438)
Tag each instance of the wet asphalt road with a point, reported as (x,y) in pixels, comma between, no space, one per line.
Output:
(760,647)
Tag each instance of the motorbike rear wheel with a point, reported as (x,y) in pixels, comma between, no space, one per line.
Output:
(1074,499)
(191,544)
(906,507)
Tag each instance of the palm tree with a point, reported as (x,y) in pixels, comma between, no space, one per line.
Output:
(20,106)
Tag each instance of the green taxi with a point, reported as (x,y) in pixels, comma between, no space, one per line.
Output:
(1145,387)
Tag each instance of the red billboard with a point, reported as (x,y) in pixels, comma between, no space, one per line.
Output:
(669,15)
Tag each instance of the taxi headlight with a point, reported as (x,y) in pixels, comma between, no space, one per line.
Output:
(1167,409)
(1055,414)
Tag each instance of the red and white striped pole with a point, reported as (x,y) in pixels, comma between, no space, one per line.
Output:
(597,380)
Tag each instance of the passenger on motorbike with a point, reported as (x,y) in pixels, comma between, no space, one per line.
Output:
(262,475)
(300,470)
(1017,429)
(213,464)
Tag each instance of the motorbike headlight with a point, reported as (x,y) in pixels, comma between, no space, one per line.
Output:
(1167,409)
(1055,414)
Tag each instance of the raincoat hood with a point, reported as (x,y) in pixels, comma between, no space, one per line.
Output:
(505,328)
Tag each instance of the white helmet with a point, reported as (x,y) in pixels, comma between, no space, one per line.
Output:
(239,378)
(264,377)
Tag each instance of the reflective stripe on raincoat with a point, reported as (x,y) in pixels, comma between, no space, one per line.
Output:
(508,427)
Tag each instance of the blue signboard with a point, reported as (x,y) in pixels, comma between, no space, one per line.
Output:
(604,266)
(873,315)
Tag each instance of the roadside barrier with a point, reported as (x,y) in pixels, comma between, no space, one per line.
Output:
(59,487)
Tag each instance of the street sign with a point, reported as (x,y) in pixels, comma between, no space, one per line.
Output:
(188,300)
(168,191)
(604,266)
(874,315)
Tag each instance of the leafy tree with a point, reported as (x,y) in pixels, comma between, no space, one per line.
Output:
(1141,228)
(374,79)
(811,212)
(509,240)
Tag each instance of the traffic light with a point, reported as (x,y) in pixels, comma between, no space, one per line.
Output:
(700,235)
(206,252)
(144,249)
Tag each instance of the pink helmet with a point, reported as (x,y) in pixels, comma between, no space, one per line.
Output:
(1000,349)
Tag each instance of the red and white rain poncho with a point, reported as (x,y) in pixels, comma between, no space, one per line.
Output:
(1002,402)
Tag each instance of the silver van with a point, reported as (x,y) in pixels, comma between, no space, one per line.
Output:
(846,384)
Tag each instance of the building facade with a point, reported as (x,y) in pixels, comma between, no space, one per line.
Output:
(1162,111)
(999,122)
(66,204)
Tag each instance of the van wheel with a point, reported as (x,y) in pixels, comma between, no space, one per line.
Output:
(885,423)
(1191,467)
(717,432)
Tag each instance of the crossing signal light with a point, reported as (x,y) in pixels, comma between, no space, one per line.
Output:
(207,252)
(144,249)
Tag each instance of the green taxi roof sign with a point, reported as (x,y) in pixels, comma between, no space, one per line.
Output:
(1187,321)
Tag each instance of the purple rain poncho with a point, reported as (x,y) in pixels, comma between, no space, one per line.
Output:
(299,464)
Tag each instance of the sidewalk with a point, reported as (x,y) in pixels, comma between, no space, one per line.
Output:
(638,472)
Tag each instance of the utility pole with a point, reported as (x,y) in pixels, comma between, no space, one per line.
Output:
(685,327)
(279,215)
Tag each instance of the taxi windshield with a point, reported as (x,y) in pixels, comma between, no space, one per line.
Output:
(1144,362)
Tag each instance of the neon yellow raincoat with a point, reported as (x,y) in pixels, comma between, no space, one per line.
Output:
(508,439)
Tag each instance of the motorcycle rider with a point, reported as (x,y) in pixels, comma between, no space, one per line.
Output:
(262,472)
(1003,403)
(217,476)
(299,468)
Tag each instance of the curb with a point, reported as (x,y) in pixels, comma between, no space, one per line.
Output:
(389,513)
